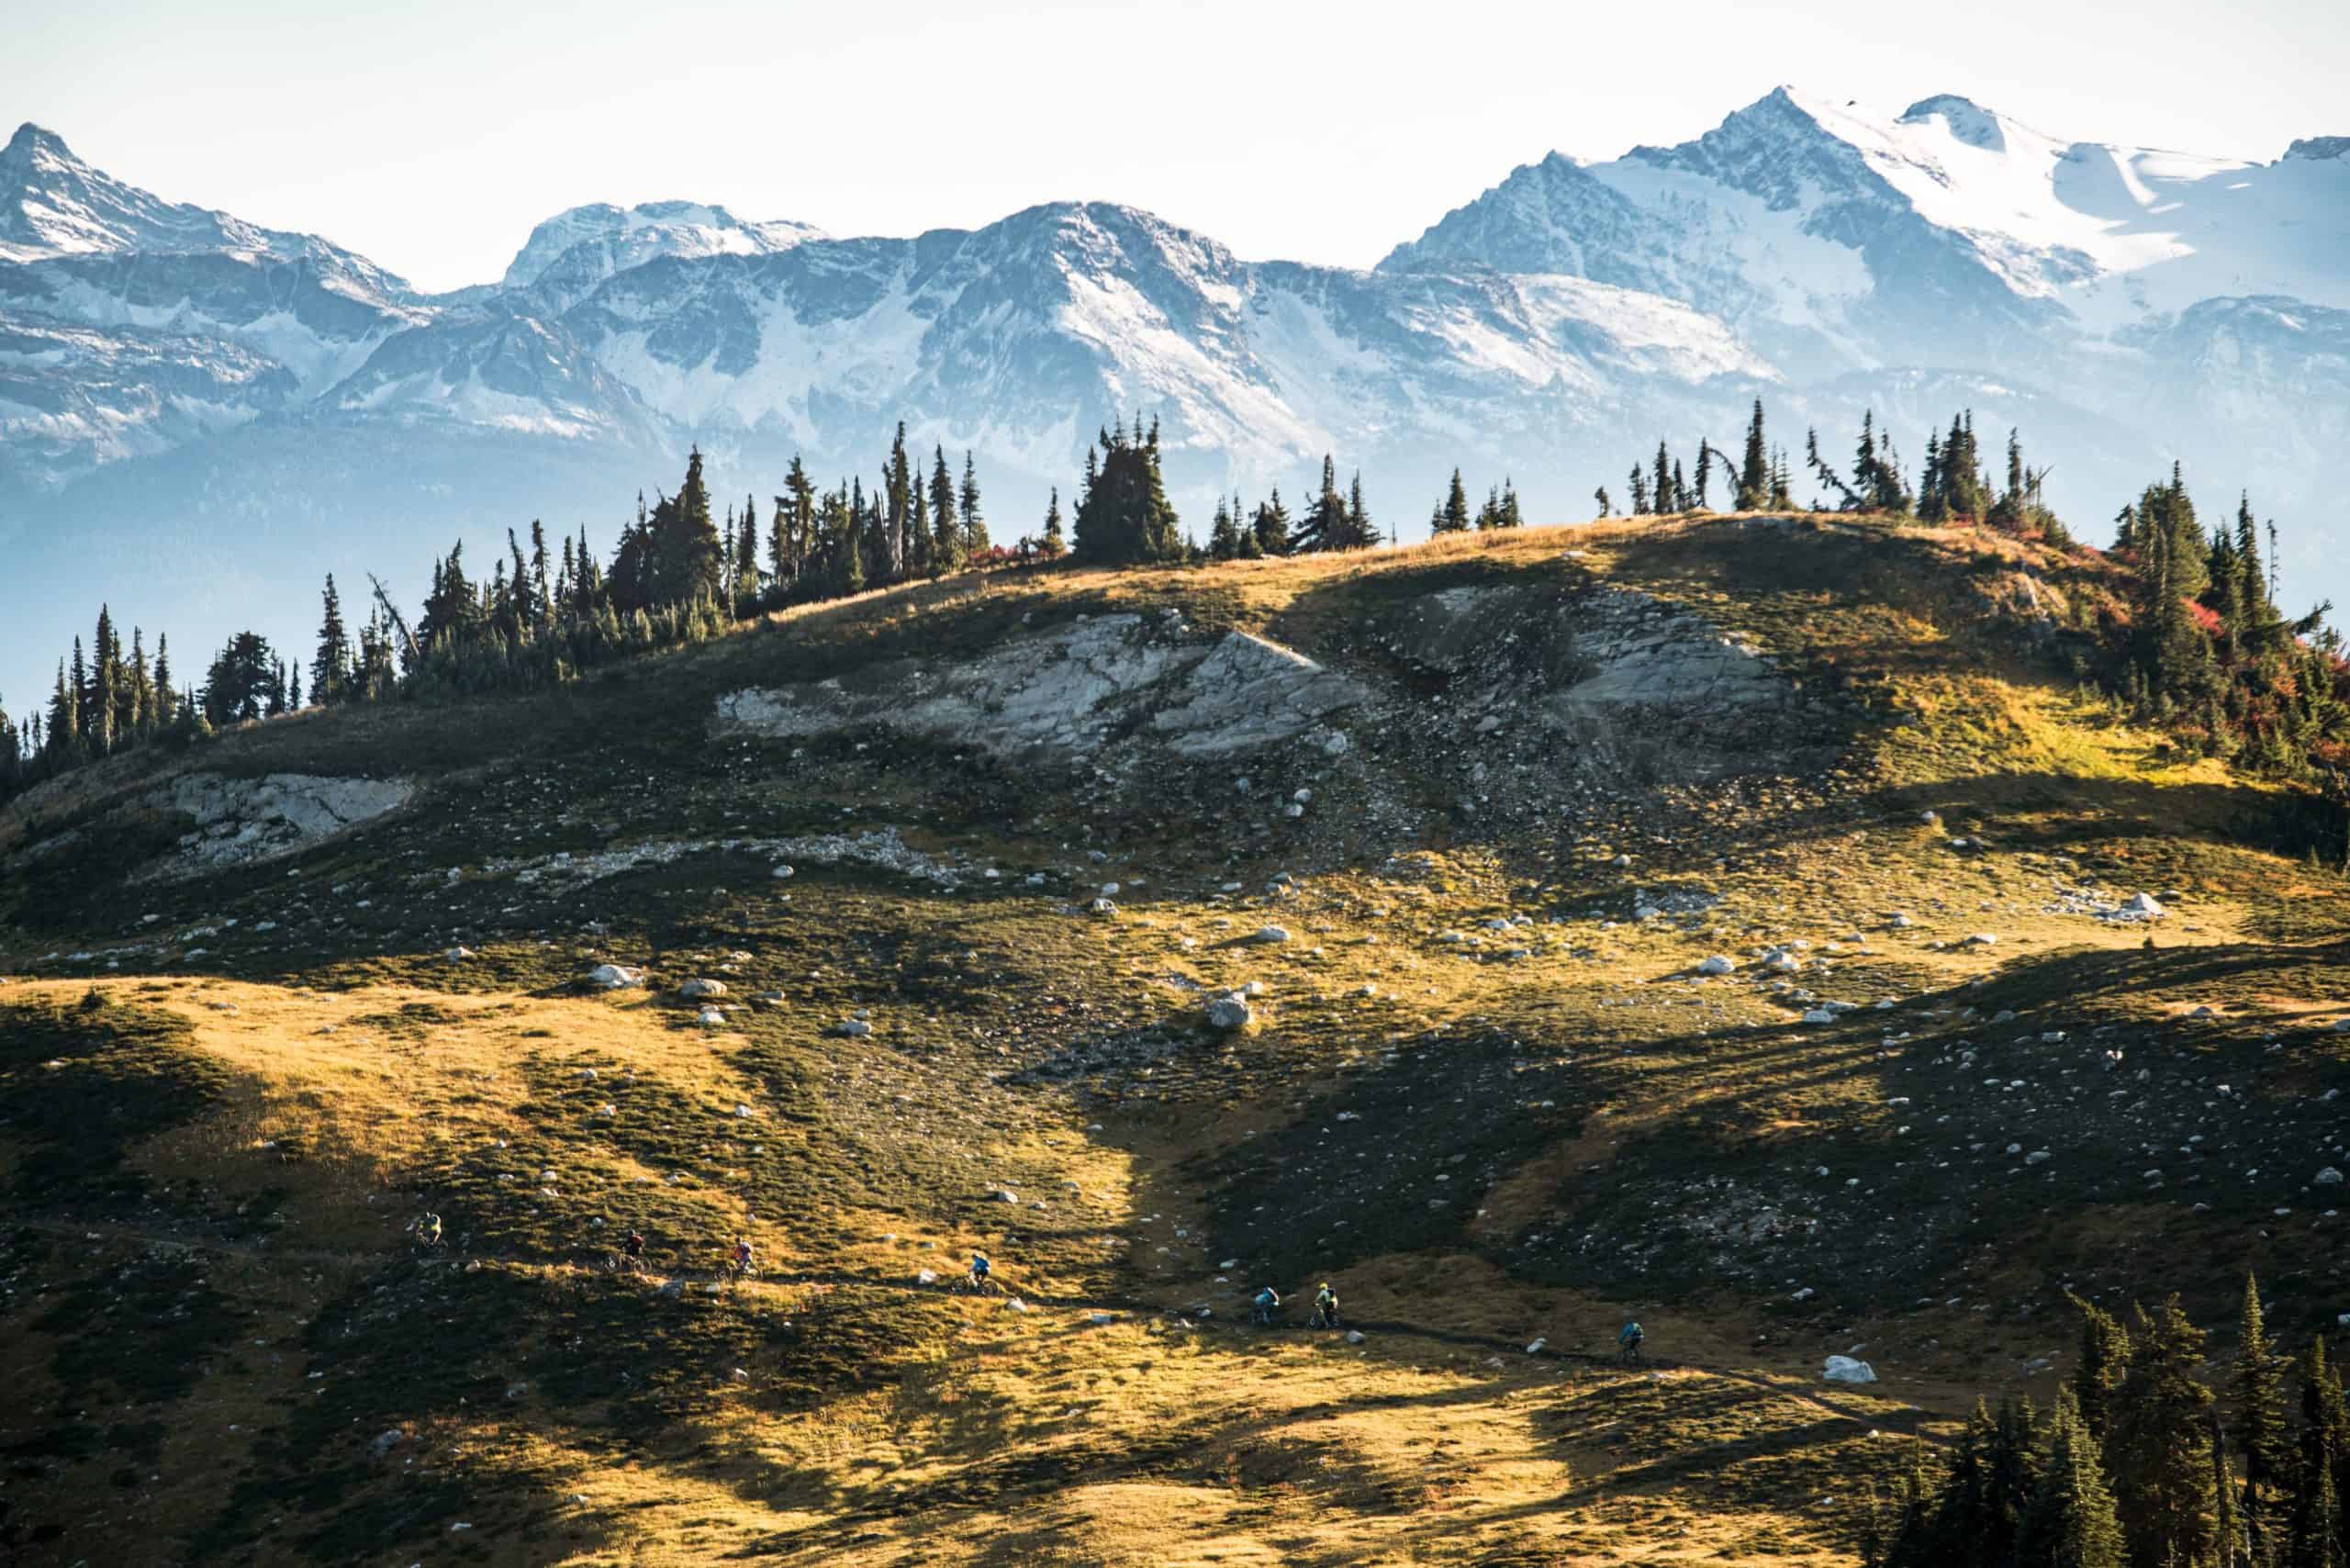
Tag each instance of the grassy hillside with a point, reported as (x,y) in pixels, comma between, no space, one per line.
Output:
(1488,1090)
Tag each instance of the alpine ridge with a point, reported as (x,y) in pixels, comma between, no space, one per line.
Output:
(171,376)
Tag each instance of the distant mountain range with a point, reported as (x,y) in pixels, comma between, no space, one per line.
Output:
(200,417)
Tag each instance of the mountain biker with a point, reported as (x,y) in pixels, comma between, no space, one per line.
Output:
(1629,1341)
(428,1231)
(745,1264)
(1269,1301)
(981,1268)
(632,1250)
(1326,1306)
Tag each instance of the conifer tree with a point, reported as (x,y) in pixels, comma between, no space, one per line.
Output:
(1362,532)
(689,557)
(162,680)
(1324,526)
(1640,484)
(141,701)
(1123,517)
(330,666)
(1607,505)
(1754,485)
(2072,1522)
(974,526)
(746,552)
(1269,525)
(1223,533)
(2319,1534)
(1054,542)
(2101,1363)
(946,535)
(98,713)
(1453,516)
(2159,1446)
(2260,1428)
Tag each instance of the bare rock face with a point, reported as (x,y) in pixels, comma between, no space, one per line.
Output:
(1069,691)
(238,820)
(1645,654)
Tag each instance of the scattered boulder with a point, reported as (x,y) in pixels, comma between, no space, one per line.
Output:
(2329,1177)
(852,1028)
(700,989)
(1270,934)
(1229,1012)
(615,977)
(1719,964)
(1844,1369)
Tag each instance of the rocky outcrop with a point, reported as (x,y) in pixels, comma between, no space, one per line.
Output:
(1071,691)
(239,820)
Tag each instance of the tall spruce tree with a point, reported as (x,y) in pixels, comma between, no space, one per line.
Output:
(1055,541)
(2159,1446)
(2072,1521)
(945,533)
(1754,469)
(1453,517)
(967,507)
(1269,526)
(2260,1430)
(1125,518)
(331,664)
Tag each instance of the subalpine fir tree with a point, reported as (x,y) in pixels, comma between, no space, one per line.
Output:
(1324,526)
(1453,517)
(1223,533)
(2100,1365)
(2159,1447)
(746,552)
(945,534)
(967,506)
(1606,503)
(1055,541)
(2322,1467)
(2072,1521)
(98,715)
(1639,483)
(1661,482)
(1362,532)
(331,664)
(64,731)
(689,555)
(1489,515)
(1269,525)
(163,691)
(2260,1430)
(1705,455)
(141,690)
(794,529)
(1754,485)
(1125,518)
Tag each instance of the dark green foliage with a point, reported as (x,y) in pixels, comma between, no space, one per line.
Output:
(2259,1430)
(1269,526)
(1123,517)
(2103,1360)
(1452,513)
(246,681)
(1754,477)
(2158,1445)
(2072,1522)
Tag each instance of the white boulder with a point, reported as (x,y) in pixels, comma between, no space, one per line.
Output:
(1844,1369)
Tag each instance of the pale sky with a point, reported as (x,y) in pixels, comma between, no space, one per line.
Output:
(432,136)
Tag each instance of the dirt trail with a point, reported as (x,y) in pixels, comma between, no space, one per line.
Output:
(834,1279)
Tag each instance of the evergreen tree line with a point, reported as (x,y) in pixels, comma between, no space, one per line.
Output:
(681,571)
(1332,522)
(107,698)
(2139,1464)
(1500,509)
(2210,652)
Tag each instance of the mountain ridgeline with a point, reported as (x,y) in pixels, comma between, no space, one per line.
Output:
(227,408)
(2197,645)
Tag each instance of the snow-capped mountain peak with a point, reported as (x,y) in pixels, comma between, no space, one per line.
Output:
(576,250)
